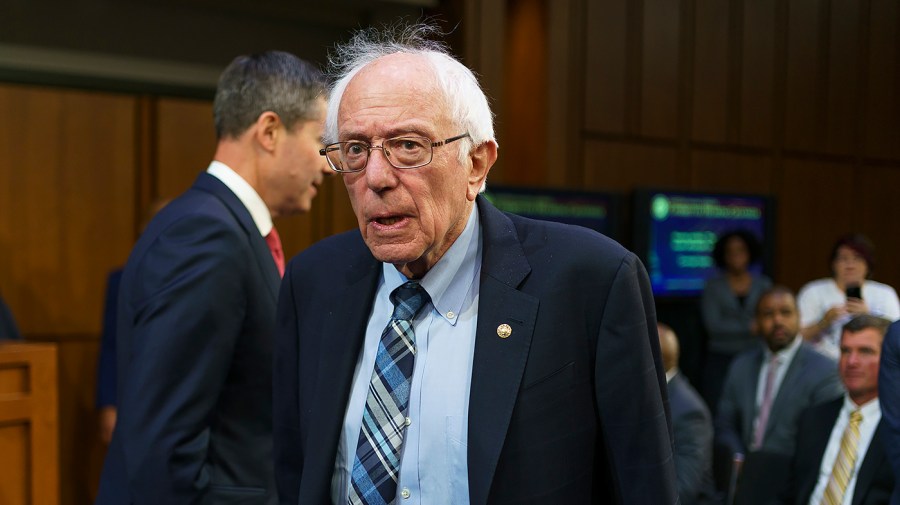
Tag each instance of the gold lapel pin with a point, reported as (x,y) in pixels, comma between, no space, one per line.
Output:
(504,331)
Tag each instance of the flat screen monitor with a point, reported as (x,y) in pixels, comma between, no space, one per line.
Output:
(595,210)
(675,232)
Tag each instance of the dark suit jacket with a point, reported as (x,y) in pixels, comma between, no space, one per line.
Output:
(570,409)
(693,428)
(810,379)
(874,481)
(195,321)
(106,362)
(8,328)
(889,392)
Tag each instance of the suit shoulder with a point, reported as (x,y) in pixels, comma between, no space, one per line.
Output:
(684,398)
(568,241)
(334,255)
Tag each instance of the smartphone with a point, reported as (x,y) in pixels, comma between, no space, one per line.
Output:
(854,292)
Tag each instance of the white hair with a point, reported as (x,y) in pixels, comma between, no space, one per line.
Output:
(465,100)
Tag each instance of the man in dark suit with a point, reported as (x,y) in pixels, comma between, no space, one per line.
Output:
(889,393)
(692,425)
(812,378)
(840,457)
(521,362)
(765,391)
(197,300)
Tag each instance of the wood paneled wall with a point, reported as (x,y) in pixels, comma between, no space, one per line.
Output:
(799,99)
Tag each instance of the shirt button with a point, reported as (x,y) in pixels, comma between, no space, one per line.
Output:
(450,315)
(408,421)
(404,493)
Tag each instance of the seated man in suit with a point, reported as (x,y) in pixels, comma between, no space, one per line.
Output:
(692,425)
(840,457)
(446,352)
(766,389)
(889,391)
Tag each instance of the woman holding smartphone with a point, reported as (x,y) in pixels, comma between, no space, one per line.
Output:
(826,304)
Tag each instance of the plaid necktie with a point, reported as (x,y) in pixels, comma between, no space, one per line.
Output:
(376,467)
(844,463)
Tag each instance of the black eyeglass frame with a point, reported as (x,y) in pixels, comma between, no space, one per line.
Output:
(336,146)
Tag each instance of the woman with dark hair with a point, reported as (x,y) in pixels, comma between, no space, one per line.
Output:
(728,304)
(826,304)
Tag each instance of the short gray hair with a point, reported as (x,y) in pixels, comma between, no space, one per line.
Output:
(465,100)
(273,81)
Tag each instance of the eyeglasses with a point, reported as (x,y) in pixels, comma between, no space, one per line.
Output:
(400,152)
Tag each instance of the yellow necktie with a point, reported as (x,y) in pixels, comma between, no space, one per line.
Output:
(844,463)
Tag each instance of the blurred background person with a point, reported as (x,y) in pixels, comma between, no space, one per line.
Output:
(728,304)
(8,328)
(766,389)
(106,361)
(827,304)
(692,427)
(840,457)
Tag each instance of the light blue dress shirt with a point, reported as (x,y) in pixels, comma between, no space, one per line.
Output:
(433,466)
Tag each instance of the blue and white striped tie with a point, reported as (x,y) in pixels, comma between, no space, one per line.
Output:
(376,467)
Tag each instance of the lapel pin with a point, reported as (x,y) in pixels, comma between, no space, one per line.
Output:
(504,331)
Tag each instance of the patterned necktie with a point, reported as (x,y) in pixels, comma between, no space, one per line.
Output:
(273,240)
(376,467)
(844,463)
(766,407)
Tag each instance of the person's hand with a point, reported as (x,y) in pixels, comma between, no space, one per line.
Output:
(857,306)
(107,422)
(833,314)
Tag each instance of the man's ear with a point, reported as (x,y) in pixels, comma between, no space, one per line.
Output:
(482,158)
(267,130)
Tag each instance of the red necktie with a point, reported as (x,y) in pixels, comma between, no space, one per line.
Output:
(274,242)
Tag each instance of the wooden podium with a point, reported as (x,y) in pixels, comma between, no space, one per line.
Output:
(29,424)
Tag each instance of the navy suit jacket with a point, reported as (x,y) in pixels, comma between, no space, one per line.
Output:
(874,480)
(195,320)
(692,424)
(571,408)
(106,362)
(889,393)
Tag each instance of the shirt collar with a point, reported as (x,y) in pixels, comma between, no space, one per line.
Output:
(449,280)
(671,373)
(868,409)
(787,354)
(245,193)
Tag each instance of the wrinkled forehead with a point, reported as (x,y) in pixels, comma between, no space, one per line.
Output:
(399,88)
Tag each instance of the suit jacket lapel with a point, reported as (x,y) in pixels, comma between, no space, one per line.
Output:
(874,459)
(343,333)
(785,395)
(499,362)
(750,398)
(211,184)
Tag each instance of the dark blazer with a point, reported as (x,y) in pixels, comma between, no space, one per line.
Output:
(195,321)
(106,362)
(693,428)
(8,328)
(874,481)
(570,409)
(810,379)
(889,392)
